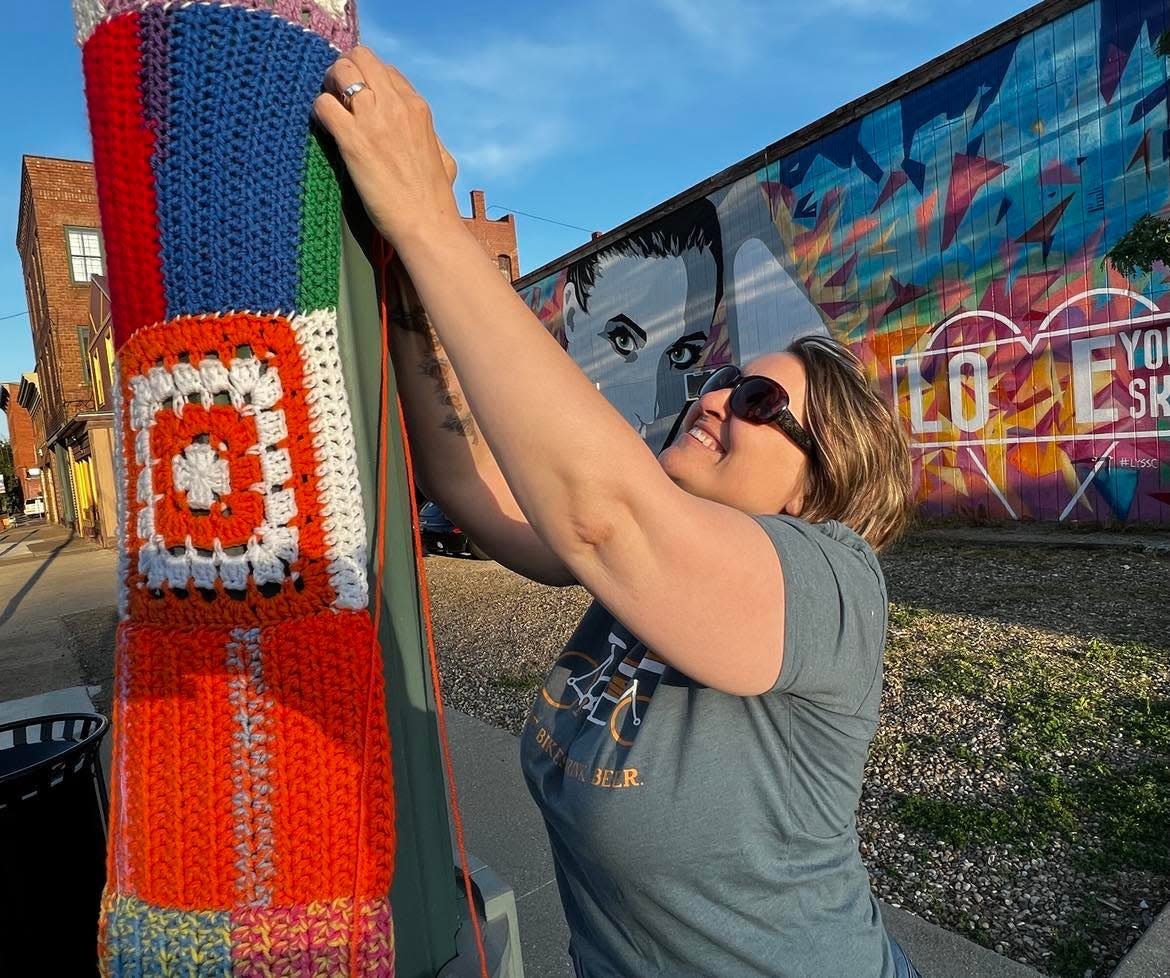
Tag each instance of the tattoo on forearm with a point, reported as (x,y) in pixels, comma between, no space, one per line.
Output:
(412,322)
(436,368)
(460,420)
(462,424)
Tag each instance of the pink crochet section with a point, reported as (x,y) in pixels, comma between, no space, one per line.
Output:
(334,20)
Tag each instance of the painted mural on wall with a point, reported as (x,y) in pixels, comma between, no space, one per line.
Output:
(953,238)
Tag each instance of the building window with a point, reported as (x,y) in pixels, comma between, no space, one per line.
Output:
(505,263)
(85,253)
(83,339)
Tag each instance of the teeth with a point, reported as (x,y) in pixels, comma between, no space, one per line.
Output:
(704,439)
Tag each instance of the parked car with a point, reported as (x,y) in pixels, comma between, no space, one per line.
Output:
(441,536)
(34,507)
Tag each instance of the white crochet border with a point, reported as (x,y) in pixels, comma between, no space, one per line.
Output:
(335,453)
(253,393)
(333,441)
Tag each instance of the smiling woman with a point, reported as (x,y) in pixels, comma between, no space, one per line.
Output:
(738,626)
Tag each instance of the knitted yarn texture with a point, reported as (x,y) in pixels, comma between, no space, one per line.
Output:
(252,822)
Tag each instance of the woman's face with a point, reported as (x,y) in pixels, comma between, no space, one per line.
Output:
(755,468)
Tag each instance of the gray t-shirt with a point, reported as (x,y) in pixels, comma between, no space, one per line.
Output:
(699,833)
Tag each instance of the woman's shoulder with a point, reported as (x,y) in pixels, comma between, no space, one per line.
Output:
(830,533)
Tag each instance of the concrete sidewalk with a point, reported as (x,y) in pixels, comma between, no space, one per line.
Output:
(46,574)
(504,829)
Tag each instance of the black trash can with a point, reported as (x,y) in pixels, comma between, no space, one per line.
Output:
(53,811)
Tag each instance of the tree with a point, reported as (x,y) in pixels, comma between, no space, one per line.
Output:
(1148,241)
(11,493)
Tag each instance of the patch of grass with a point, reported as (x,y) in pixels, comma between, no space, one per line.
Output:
(958,675)
(1146,722)
(518,681)
(905,616)
(1047,809)
(1128,813)
(1043,716)
(1133,812)
(1072,948)
(1072,956)
(952,822)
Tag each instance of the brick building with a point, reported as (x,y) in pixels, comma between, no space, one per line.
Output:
(496,236)
(23,439)
(59,240)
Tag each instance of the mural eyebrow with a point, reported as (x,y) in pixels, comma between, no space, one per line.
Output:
(697,335)
(627,321)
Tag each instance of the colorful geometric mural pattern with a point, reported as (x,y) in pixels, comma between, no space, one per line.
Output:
(954,239)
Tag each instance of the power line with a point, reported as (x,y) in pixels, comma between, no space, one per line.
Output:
(537,217)
(13,315)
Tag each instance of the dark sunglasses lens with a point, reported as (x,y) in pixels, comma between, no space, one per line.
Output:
(759,400)
(723,377)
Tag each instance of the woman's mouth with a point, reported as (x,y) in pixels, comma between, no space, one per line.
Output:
(706,440)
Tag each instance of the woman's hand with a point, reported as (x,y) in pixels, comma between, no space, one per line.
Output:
(387,140)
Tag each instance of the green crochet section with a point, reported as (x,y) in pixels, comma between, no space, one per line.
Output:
(320,243)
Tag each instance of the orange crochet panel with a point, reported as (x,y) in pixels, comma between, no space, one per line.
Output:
(251,744)
(227,515)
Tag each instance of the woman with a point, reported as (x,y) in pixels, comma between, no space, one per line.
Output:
(699,797)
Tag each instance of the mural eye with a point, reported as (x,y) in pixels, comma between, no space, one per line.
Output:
(683,356)
(625,344)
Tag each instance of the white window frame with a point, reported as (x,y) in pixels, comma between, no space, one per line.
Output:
(90,255)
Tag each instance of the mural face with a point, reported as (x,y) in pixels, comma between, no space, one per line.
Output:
(953,239)
(644,326)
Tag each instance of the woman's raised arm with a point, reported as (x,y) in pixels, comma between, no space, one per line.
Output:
(453,464)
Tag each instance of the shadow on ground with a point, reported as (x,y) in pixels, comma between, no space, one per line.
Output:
(1111,595)
(92,634)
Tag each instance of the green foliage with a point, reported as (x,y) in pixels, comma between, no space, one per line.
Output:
(1148,240)
(523,682)
(1133,809)
(1143,244)
(1072,956)
(11,495)
(1044,811)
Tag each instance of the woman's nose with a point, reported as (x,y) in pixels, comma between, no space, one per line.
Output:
(715,402)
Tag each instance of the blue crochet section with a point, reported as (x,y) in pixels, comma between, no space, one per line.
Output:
(147,942)
(230,178)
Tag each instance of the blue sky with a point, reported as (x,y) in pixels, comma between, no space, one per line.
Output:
(587,118)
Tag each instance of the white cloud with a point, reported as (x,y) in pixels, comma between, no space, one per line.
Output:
(737,28)
(504,102)
(512,94)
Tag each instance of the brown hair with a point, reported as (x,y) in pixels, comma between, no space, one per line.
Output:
(860,472)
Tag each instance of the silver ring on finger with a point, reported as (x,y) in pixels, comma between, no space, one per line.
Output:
(350,91)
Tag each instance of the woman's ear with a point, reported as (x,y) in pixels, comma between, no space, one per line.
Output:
(795,504)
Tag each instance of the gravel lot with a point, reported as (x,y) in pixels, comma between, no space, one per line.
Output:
(1017,790)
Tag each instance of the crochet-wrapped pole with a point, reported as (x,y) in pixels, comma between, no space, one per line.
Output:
(252,824)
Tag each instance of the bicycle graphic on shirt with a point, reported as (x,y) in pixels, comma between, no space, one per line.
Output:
(609,696)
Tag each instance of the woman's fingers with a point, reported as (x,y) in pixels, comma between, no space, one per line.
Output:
(336,119)
(387,139)
(341,74)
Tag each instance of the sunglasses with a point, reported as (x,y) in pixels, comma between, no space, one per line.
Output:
(758,400)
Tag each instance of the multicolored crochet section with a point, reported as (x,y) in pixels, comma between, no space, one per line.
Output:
(252,820)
